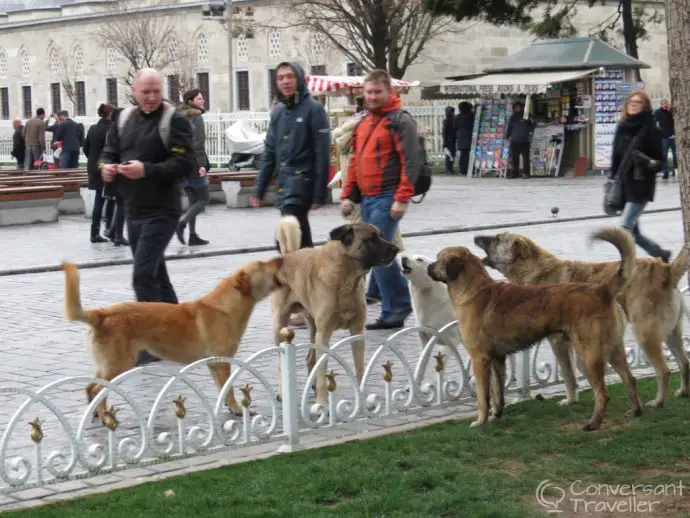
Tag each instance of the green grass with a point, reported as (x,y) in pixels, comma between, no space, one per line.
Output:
(441,470)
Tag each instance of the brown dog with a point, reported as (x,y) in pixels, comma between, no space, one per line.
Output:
(327,286)
(651,300)
(210,326)
(498,318)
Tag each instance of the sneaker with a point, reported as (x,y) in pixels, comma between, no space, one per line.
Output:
(391,322)
(195,240)
(120,241)
(98,239)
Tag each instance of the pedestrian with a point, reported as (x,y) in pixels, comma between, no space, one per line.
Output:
(35,139)
(664,118)
(519,133)
(196,183)
(148,166)
(464,128)
(448,132)
(382,174)
(18,144)
(71,134)
(637,157)
(297,153)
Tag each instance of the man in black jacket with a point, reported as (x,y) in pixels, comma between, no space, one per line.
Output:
(519,133)
(71,134)
(148,153)
(664,119)
(18,144)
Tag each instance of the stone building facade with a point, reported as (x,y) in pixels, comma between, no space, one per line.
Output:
(53,56)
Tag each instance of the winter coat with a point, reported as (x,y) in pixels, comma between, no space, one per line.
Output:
(448,132)
(297,149)
(93,145)
(637,190)
(519,129)
(18,145)
(71,134)
(194,114)
(464,126)
(666,123)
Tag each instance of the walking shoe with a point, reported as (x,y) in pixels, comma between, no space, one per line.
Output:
(180,232)
(109,233)
(396,321)
(98,239)
(145,358)
(372,300)
(120,241)
(195,240)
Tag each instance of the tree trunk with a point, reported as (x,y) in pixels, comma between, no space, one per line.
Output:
(629,32)
(678,34)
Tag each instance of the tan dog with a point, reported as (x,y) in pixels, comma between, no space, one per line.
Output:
(210,326)
(498,318)
(651,300)
(327,285)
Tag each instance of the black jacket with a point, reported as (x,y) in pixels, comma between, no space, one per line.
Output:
(449,134)
(666,123)
(158,192)
(519,130)
(464,126)
(636,190)
(18,145)
(71,133)
(93,145)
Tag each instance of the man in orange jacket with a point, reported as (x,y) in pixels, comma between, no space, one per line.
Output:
(382,172)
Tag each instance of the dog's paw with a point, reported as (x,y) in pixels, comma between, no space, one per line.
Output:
(682,393)
(476,423)
(634,412)
(567,402)
(590,427)
(656,403)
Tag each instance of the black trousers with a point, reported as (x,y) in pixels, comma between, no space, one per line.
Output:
(516,150)
(464,161)
(114,214)
(302,215)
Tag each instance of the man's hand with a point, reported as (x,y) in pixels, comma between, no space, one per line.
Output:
(316,206)
(254,202)
(108,172)
(202,172)
(346,208)
(134,170)
(398,210)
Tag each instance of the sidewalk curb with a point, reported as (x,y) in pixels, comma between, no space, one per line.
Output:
(258,249)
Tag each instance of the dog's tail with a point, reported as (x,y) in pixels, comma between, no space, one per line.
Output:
(625,245)
(679,266)
(73,310)
(289,234)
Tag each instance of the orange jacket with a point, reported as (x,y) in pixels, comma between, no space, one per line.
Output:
(385,154)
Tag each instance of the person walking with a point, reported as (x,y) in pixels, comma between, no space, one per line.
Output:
(196,184)
(148,168)
(449,143)
(383,170)
(636,158)
(71,134)
(35,138)
(519,133)
(666,122)
(18,144)
(464,127)
(297,153)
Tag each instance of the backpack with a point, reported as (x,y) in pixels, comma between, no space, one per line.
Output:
(163,124)
(423,183)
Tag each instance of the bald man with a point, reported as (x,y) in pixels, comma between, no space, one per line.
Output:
(147,167)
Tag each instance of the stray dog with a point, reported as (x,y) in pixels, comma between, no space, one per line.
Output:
(210,326)
(327,286)
(499,318)
(430,301)
(651,300)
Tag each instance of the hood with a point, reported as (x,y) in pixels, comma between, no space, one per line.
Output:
(302,91)
(394,103)
(192,110)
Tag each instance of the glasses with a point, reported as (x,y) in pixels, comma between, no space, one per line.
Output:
(635,102)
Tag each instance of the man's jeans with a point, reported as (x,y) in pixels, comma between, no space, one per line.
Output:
(669,143)
(395,297)
(631,215)
(69,159)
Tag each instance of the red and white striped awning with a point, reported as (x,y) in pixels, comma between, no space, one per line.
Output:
(348,84)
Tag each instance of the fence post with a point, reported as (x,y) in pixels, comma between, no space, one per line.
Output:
(523,373)
(288,360)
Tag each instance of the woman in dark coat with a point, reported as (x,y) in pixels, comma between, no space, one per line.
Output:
(449,139)
(464,127)
(637,158)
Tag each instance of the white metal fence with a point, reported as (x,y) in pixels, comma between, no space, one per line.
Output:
(187,417)
(429,120)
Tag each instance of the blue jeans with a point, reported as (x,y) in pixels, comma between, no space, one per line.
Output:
(69,159)
(669,143)
(395,297)
(631,216)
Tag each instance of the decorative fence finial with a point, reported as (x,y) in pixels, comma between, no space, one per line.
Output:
(110,419)
(36,430)
(287,335)
(180,410)
(246,393)
(387,372)
(439,362)
(331,381)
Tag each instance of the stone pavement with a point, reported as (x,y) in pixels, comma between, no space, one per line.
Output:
(452,203)
(38,346)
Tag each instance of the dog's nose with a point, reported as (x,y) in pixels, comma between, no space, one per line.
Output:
(430,270)
(403,261)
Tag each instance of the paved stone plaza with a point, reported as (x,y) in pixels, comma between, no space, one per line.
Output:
(38,346)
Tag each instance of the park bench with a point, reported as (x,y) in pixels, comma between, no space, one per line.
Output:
(238,186)
(71,202)
(29,204)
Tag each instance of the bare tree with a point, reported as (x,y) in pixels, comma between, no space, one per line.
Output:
(140,38)
(387,34)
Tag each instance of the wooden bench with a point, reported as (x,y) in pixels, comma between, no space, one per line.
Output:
(71,202)
(238,186)
(29,204)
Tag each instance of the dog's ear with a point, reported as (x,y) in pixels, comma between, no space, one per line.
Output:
(521,249)
(454,267)
(344,233)
(242,282)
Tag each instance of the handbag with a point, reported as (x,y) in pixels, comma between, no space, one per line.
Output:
(614,201)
